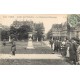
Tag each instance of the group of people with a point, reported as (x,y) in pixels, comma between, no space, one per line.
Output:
(69,49)
(13,45)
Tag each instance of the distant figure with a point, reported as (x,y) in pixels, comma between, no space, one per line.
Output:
(67,50)
(13,48)
(56,45)
(52,45)
(4,42)
(63,48)
(59,46)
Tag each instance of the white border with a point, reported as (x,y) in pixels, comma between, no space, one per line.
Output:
(39,6)
(39,72)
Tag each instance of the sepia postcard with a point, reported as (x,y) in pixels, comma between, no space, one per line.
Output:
(39,39)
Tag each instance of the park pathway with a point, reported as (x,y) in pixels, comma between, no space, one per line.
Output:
(31,56)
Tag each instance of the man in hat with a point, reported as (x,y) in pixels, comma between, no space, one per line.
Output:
(13,47)
(73,52)
(52,45)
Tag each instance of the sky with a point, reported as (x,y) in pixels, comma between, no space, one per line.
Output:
(47,19)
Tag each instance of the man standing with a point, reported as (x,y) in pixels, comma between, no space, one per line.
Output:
(56,46)
(63,48)
(52,45)
(73,52)
(13,47)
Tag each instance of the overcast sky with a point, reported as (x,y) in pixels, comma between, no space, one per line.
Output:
(47,19)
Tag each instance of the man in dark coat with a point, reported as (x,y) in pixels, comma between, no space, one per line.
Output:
(73,51)
(63,48)
(59,46)
(56,45)
(13,47)
(51,43)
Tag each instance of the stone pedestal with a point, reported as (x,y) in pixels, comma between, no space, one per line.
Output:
(9,39)
(30,43)
(37,39)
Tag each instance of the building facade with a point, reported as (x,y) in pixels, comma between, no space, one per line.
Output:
(59,31)
(75,31)
(64,31)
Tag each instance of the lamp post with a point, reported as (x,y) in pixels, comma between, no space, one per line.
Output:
(9,36)
(36,36)
(42,34)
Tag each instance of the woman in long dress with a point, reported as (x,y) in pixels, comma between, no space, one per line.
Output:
(63,48)
(67,49)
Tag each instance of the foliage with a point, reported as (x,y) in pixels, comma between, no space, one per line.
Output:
(4,35)
(13,32)
(39,28)
(23,32)
(20,31)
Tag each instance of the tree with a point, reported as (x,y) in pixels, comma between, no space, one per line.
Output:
(4,35)
(39,28)
(49,34)
(23,32)
(13,32)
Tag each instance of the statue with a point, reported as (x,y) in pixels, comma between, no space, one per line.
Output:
(30,44)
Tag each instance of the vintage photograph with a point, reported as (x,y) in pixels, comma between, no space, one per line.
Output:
(39,39)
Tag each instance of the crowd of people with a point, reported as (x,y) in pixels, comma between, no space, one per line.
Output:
(69,49)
